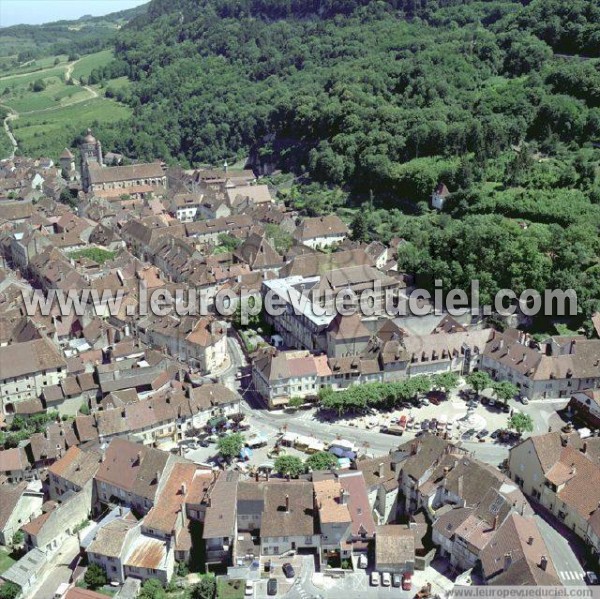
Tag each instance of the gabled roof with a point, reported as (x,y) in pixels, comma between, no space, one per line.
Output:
(110,174)
(132,467)
(298,520)
(257,252)
(77,466)
(517,539)
(9,498)
(22,359)
(321,226)
(348,327)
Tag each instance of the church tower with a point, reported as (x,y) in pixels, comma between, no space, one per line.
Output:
(91,156)
(67,164)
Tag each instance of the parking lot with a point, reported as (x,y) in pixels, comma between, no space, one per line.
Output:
(453,416)
(259,456)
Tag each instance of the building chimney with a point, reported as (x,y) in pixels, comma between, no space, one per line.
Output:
(344,497)
(495,525)
(381,470)
(530,541)
(287,504)
(584,447)
(507,561)
(544,563)
(183,489)
(256,475)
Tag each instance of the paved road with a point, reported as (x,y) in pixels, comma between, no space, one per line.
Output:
(59,570)
(372,442)
(562,552)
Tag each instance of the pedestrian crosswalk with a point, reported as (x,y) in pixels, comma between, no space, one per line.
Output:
(571,575)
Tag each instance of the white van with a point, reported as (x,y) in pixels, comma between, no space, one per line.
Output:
(61,591)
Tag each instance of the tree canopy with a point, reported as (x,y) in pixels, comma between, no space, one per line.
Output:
(289,465)
(521,423)
(231,445)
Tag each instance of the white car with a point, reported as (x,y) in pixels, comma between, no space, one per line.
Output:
(425,401)
(386,579)
(363,561)
(249,590)
(374,579)
(524,401)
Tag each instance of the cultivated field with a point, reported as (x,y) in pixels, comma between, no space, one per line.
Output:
(47,133)
(49,119)
(87,64)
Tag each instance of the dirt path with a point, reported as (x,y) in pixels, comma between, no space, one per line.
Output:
(42,71)
(15,115)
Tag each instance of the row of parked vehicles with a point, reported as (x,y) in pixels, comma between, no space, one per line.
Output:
(385,579)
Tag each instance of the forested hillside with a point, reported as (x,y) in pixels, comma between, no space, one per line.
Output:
(375,101)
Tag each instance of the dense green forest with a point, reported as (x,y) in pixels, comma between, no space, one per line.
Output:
(372,103)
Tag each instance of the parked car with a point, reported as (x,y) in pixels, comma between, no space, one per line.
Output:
(288,570)
(496,433)
(472,404)
(386,579)
(505,408)
(425,401)
(524,400)
(363,561)
(396,580)
(425,424)
(406,582)
(591,578)
(435,401)
(482,434)
(374,578)
(432,424)
(249,590)
(272,586)
(392,430)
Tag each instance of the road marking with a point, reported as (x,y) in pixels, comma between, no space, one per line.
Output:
(571,575)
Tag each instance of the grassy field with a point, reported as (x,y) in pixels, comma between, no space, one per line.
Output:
(47,133)
(56,94)
(230,589)
(50,118)
(87,64)
(119,84)
(17,82)
(31,67)
(5,145)
(5,561)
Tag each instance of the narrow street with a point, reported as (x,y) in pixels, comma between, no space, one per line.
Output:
(59,570)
